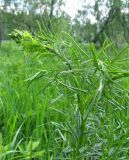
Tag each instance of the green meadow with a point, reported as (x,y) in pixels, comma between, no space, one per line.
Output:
(60,100)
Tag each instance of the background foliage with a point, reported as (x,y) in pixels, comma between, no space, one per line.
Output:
(110,19)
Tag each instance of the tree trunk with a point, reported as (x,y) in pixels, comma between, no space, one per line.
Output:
(51,14)
(1,27)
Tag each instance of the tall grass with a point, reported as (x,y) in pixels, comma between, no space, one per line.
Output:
(62,101)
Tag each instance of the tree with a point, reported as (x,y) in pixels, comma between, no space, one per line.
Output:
(112,17)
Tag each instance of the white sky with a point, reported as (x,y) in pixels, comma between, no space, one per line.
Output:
(72,6)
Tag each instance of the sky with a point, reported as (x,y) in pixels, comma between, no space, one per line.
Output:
(72,7)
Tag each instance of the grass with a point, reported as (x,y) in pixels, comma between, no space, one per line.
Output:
(62,101)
